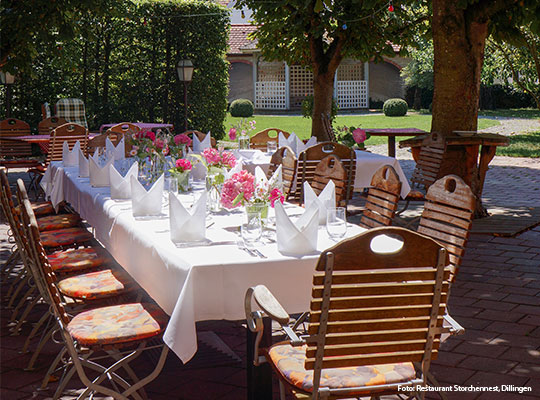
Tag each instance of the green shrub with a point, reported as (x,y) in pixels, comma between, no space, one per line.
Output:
(307,108)
(241,108)
(395,107)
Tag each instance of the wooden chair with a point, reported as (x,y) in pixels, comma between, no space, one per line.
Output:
(201,136)
(70,133)
(46,126)
(15,153)
(329,169)
(120,332)
(285,157)
(447,216)
(327,126)
(260,139)
(127,129)
(382,199)
(375,323)
(310,158)
(99,141)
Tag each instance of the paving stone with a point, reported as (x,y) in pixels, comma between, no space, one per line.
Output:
(487,295)
(526,309)
(519,254)
(522,355)
(481,378)
(496,305)
(6,394)
(531,320)
(496,315)
(473,323)
(452,375)
(528,341)
(528,370)
(487,364)
(521,261)
(510,328)
(529,300)
(518,281)
(524,290)
(483,350)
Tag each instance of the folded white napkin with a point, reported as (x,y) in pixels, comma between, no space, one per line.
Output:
(187,226)
(325,200)
(119,151)
(99,176)
(84,171)
(300,237)
(295,143)
(121,185)
(237,168)
(70,158)
(200,145)
(146,203)
(275,181)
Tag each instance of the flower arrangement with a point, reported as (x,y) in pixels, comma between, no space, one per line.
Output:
(182,165)
(216,161)
(238,189)
(243,127)
(147,143)
(352,136)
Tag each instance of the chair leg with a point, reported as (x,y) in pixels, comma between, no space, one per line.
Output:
(40,346)
(37,325)
(282,392)
(10,263)
(16,330)
(52,368)
(22,302)
(19,287)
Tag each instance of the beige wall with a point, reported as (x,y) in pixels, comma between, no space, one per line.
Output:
(385,81)
(240,81)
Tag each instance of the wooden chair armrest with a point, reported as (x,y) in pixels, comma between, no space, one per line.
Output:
(451,326)
(270,305)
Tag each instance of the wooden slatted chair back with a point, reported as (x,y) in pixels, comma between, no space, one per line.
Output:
(260,139)
(47,125)
(382,199)
(429,161)
(127,129)
(328,128)
(371,308)
(99,141)
(14,148)
(310,158)
(447,216)
(329,169)
(70,133)
(285,157)
(201,137)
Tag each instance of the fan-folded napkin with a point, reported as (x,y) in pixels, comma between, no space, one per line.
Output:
(325,200)
(99,176)
(118,151)
(84,171)
(275,181)
(70,158)
(295,143)
(300,237)
(121,185)
(146,203)
(186,226)
(200,145)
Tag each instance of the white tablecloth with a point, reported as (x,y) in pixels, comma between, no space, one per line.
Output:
(366,165)
(190,284)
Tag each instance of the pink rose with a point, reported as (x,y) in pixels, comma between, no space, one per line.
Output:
(240,183)
(159,143)
(232,134)
(276,194)
(359,135)
(183,164)
(182,139)
(228,159)
(212,156)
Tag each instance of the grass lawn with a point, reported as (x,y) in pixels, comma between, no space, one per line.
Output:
(527,113)
(527,145)
(302,126)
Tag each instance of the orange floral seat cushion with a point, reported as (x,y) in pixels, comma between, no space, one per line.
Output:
(65,237)
(78,259)
(42,208)
(60,221)
(96,285)
(289,361)
(117,324)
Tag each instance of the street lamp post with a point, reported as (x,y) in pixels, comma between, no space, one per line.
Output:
(7,79)
(185,74)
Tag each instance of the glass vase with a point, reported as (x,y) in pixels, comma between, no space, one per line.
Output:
(261,209)
(243,142)
(183,181)
(214,186)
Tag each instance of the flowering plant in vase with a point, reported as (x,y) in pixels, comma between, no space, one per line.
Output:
(181,172)
(238,189)
(242,129)
(352,137)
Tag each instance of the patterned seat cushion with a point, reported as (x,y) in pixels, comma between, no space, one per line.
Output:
(289,361)
(78,259)
(96,285)
(65,237)
(117,324)
(42,208)
(61,221)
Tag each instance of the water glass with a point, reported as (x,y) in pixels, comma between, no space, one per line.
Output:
(336,222)
(271,146)
(171,185)
(251,229)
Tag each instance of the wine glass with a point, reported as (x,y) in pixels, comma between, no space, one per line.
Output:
(251,229)
(336,222)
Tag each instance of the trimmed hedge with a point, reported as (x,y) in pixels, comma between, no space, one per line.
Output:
(241,108)
(395,107)
(124,67)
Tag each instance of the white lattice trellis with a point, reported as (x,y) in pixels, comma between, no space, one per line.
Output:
(270,95)
(352,94)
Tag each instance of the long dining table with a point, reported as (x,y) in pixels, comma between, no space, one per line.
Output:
(191,282)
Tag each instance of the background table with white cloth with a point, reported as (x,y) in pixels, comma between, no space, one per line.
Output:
(190,283)
(366,165)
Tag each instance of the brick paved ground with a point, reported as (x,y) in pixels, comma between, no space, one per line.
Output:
(496,298)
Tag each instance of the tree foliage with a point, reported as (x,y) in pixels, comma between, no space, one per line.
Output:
(123,66)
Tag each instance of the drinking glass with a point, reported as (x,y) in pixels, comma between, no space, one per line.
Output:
(271,146)
(171,184)
(336,222)
(251,229)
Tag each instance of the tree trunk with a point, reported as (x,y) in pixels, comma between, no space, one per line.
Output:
(85,73)
(106,75)
(323,91)
(458,44)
